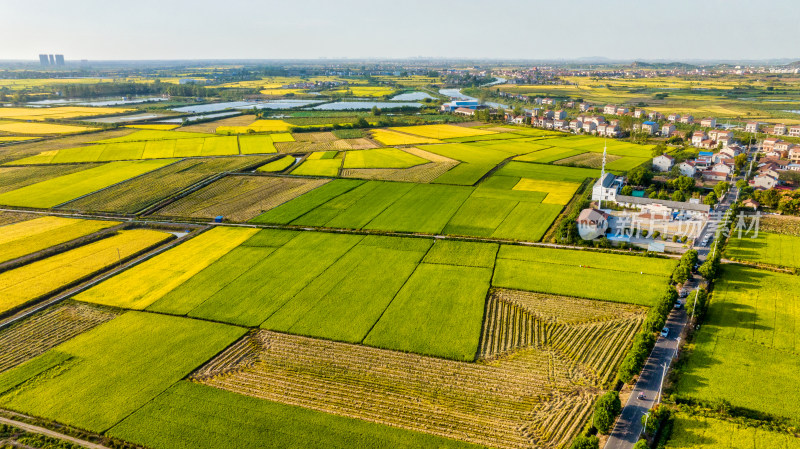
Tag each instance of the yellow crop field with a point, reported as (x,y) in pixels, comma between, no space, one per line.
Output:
(23,84)
(42,128)
(362,91)
(29,282)
(61,112)
(27,237)
(443,131)
(393,138)
(279,91)
(155,126)
(259,126)
(16,138)
(147,282)
(558,192)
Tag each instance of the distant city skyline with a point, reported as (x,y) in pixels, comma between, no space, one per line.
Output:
(358,29)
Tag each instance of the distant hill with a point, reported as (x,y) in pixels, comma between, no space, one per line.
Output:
(662,65)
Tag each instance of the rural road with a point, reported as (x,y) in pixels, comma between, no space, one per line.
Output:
(629,426)
(50,433)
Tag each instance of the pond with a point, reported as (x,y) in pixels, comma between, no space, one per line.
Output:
(363,105)
(194,118)
(102,102)
(270,104)
(412,96)
(127,118)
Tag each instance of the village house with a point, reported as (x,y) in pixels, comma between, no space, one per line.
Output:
(575,125)
(589,126)
(621,111)
(708,123)
(559,115)
(794,131)
(640,113)
(464,111)
(779,129)
(751,127)
(610,109)
(561,124)
(782,147)
(711,175)
(764,181)
(569,104)
(649,127)
(674,117)
(687,168)
(687,119)
(654,115)
(794,154)
(768,145)
(698,137)
(751,203)
(548,101)
(717,134)
(583,107)
(667,129)
(663,163)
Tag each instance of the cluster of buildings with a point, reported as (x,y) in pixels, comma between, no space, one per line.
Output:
(47,60)
(778,129)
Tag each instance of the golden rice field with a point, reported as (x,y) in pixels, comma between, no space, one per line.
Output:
(42,128)
(259,126)
(442,131)
(35,280)
(154,126)
(16,138)
(558,192)
(147,282)
(23,84)
(362,91)
(279,91)
(59,112)
(28,237)
(391,138)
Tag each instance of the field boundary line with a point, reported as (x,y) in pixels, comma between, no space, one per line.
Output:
(50,433)
(97,278)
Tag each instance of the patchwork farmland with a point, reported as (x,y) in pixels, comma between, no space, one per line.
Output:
(378,287)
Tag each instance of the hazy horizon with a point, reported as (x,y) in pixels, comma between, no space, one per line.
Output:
(683,30)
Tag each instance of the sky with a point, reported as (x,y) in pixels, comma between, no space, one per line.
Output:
(490,29)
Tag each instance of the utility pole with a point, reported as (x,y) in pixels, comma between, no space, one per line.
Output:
(661,385)
(695,302)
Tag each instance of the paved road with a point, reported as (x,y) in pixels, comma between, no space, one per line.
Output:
(629,426)
(50,433)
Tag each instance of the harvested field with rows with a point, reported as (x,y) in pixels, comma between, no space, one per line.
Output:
(47,329)
(533,398)
(239,198)
(591,333)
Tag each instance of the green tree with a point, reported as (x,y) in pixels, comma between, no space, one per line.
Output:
(710,199)
(376,111)
(585,442)
(627,190)
(658,150)
(641,444)
(684,183)
(678,196)
(721,188)
(640,176)
(740,161)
